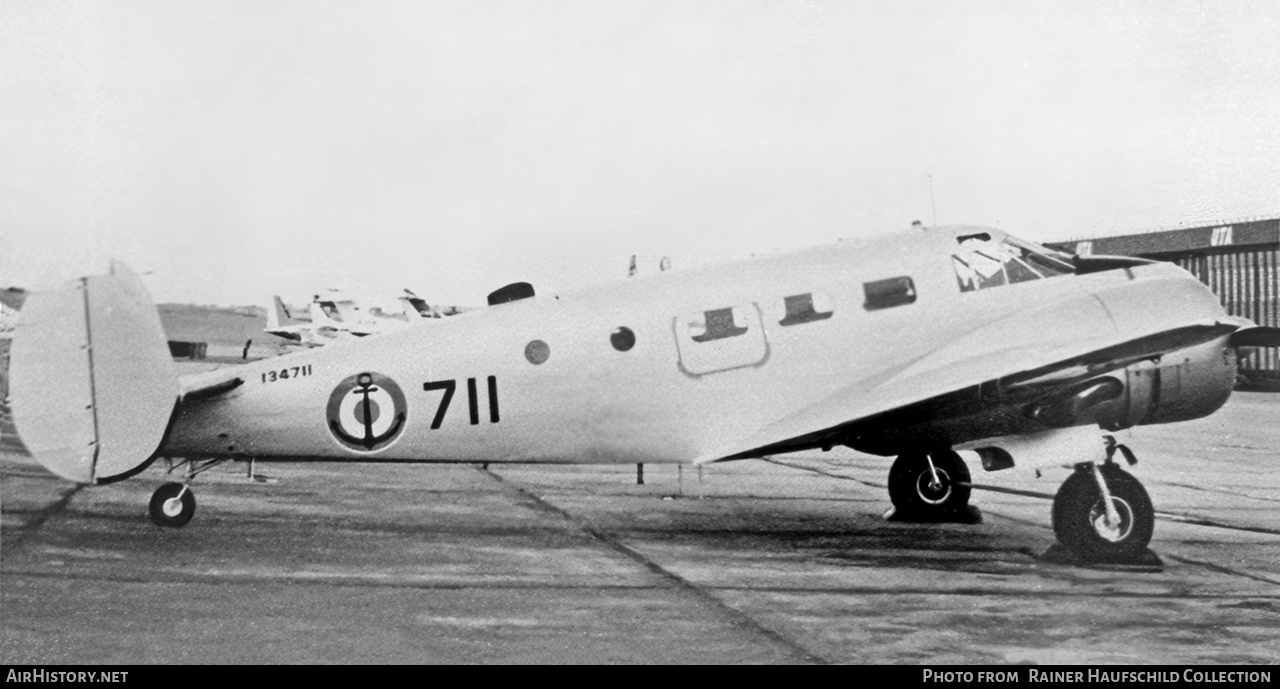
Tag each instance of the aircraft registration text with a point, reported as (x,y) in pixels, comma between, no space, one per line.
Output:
(286,373)
(473,400)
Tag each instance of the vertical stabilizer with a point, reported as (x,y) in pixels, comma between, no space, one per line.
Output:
(92,384)
(278,315)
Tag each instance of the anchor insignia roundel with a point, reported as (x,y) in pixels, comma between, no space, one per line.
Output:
(366,412)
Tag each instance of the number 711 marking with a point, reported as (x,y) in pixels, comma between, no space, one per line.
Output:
(473,401)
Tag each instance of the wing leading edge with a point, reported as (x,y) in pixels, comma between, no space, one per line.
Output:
(986,384)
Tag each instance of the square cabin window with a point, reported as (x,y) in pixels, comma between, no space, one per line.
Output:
(886,294)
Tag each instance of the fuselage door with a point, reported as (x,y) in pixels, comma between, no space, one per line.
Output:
(721,339)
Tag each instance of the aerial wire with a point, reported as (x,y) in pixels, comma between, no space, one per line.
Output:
(932,202)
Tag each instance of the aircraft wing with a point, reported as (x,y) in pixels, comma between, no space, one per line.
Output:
(1256,336)
(932,384)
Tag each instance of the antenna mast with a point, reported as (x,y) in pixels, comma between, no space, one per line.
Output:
(932,202)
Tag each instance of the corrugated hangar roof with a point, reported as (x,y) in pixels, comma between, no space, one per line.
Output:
(1181,241)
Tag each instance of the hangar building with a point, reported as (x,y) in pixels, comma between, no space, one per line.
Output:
(1239,261)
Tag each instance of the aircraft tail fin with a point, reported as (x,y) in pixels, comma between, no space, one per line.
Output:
(91,382)
(417,307)
(278,315)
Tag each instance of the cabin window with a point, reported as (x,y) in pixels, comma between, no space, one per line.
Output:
(805,308)
(622,339)
(886,294)
(537,352)
(717,324)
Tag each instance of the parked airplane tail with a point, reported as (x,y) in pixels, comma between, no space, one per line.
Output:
(91,382)
(278,315)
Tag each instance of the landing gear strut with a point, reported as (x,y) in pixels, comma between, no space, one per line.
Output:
(931,486)
(1103,514)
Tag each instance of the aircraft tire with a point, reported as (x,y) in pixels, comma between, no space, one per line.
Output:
(1079,515)
(167,512)
(910,479)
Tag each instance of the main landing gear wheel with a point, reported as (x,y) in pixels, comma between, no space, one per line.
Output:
(173,504)
(919,491)
(1081,522)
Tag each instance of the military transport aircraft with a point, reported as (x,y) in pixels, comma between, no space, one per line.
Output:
(911,345)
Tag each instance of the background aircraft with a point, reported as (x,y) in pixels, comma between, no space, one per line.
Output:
(337,316)
(914,345)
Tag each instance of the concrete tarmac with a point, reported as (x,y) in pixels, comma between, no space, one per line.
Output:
(788,560)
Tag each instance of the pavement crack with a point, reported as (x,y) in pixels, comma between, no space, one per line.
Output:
(1201,521)
(1222,569)
(830,474)
(1218,491)
(738,617)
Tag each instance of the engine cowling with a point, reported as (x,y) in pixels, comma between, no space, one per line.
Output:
(1187,384)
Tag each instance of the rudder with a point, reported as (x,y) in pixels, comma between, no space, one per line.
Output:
(91,382)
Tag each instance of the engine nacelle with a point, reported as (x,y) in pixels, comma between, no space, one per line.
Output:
(1187,384)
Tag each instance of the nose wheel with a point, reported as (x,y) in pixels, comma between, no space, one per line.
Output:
(172,505)
(1103,514)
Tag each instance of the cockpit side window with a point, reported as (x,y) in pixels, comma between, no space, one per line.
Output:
(1044,260)
(331,310)
(981,262)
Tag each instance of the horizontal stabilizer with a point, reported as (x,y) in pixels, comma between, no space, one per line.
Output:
(210,384)
(92,385)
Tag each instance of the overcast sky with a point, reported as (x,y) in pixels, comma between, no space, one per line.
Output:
(237,149)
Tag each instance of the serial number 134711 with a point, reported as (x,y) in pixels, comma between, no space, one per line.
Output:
(286,373)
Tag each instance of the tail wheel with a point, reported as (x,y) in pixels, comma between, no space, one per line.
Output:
(1080,517)
(916,489)
(173,505)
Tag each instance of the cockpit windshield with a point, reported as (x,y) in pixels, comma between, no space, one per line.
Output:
(982,261)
